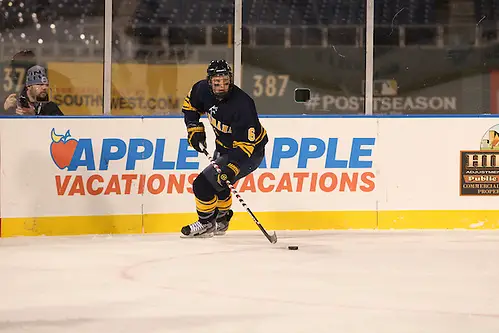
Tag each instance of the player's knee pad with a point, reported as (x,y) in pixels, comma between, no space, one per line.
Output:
(202,188)
(206,200)
(224,194)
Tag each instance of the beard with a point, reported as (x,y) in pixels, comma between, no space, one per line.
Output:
(43,96)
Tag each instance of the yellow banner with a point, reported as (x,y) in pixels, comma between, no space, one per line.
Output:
(136,89)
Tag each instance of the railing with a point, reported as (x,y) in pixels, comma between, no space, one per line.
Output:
(194,37)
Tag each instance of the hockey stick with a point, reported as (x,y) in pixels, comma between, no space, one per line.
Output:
(271,238)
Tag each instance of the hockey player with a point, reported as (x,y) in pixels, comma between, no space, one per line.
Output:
(239,145)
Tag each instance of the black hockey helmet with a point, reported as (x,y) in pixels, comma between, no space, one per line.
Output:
(222,69)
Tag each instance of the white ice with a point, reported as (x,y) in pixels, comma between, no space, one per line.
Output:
(337,282)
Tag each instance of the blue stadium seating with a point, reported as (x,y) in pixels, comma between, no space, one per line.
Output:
(71,17)
(221,11)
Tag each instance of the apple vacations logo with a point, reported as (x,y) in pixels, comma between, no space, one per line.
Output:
(70,154)
(62,149)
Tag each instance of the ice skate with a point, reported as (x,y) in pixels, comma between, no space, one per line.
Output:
(222,223)
(199,229)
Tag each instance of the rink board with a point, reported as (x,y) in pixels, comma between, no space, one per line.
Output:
(165,223)
(93,175)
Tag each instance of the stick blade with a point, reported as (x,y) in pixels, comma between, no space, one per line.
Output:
(273,238)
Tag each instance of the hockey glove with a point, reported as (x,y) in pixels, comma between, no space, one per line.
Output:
(196,135)
(229,172)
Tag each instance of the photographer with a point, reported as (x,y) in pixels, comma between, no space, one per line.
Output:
(33,100)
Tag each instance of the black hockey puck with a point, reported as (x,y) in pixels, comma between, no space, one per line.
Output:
(292,247)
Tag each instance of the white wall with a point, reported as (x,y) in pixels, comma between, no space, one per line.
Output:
(415,166)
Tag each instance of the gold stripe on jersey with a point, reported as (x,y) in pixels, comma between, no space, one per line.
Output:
(221,144)
(187,105)
(224,204)
(249,147)
(206,206)
(246,147)
(261,136)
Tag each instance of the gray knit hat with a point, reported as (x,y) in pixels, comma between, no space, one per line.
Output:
(36,75)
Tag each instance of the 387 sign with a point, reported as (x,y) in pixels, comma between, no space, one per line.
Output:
(271,85)
(273,92)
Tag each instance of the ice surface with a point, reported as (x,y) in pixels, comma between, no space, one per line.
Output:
(348,281)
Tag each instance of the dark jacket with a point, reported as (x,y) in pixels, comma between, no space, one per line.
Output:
(41,108)
(48,109)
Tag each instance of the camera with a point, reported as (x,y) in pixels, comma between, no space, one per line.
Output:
(23,101)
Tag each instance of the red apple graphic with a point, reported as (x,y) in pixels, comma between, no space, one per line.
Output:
(62,149)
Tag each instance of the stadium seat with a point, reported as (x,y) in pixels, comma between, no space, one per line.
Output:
(74,18)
